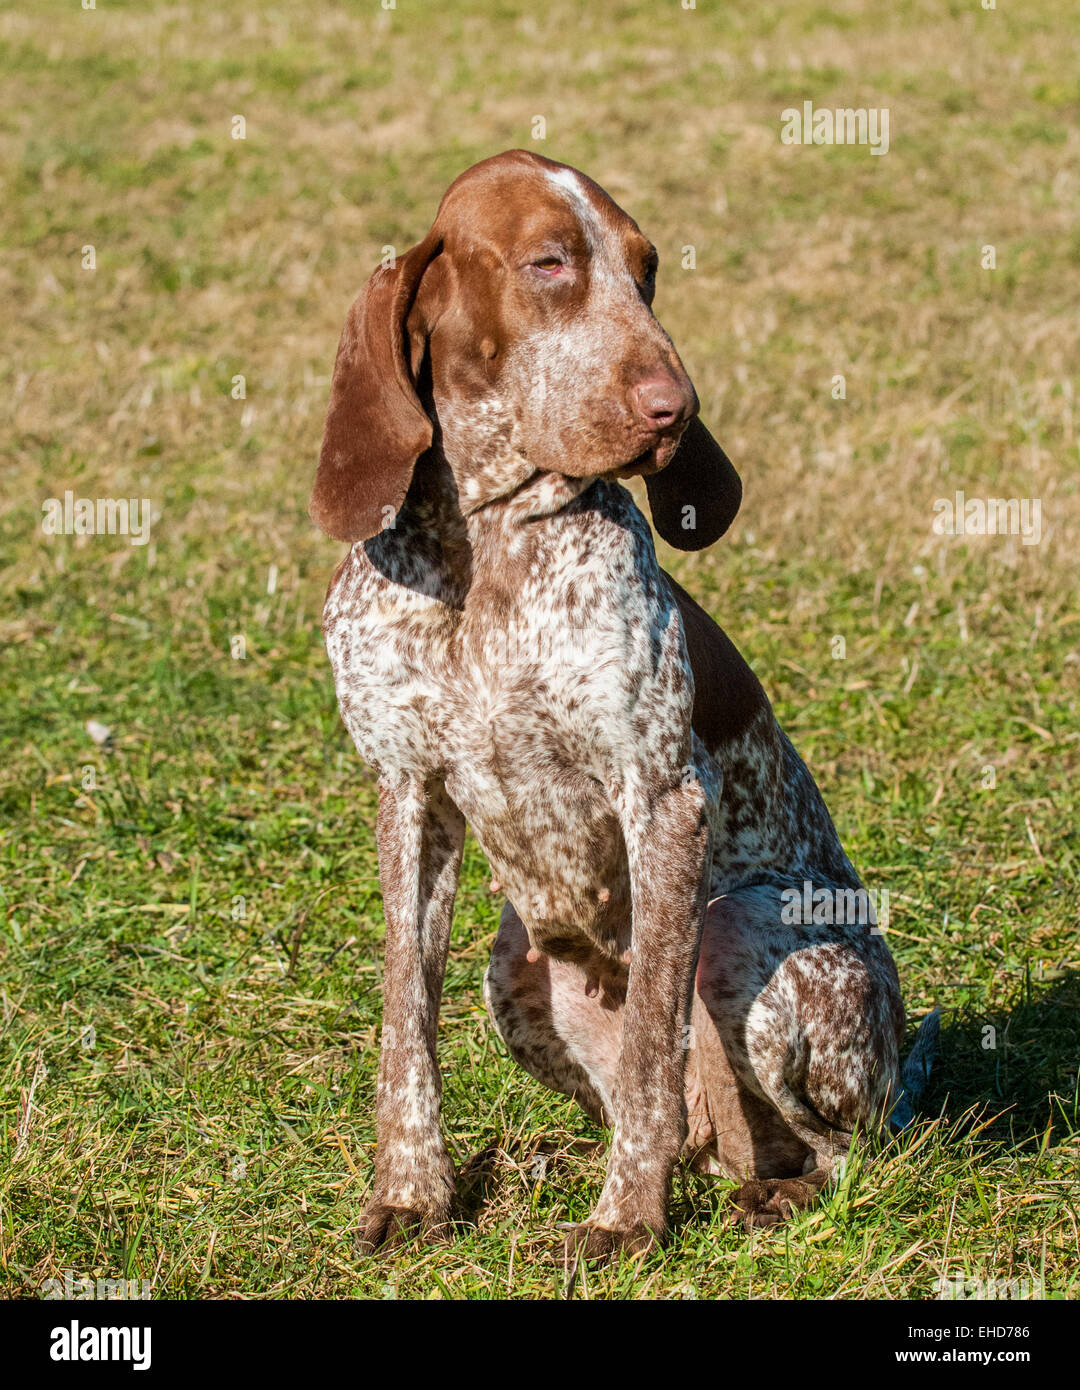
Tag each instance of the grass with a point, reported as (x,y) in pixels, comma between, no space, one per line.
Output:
(190,937)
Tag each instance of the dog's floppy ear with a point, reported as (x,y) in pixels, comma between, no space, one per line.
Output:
(696,497)
(376,427)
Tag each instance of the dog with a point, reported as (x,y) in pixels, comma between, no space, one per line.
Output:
(507,651)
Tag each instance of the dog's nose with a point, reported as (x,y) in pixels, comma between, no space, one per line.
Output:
(661,401)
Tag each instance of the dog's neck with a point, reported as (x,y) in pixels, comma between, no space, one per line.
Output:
(466,549)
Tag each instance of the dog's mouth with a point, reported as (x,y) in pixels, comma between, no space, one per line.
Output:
(651,460)
(645,463)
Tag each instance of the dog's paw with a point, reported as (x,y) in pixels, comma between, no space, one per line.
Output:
(590,1242)
(384,1226)
(763,1202)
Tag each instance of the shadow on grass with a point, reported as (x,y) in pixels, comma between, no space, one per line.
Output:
(1017,1068)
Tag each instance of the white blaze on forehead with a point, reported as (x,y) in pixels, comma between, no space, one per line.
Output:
(569,183)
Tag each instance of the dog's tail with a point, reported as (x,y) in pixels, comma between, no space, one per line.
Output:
(916,1071)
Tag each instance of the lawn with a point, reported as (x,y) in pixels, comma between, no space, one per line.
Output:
(190,937)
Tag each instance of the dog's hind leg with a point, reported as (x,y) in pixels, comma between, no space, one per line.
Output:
(808,1021)
(792,1046)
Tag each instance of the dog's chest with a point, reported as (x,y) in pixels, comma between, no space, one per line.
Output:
(550,706)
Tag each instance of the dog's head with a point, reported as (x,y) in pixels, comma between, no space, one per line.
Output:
(522,327)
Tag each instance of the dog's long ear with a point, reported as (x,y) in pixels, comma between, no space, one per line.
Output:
(376,427)
(696,497)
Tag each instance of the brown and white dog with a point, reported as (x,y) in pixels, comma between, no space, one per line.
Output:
(507,651)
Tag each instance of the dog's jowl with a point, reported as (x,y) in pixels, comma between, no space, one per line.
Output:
(508,652)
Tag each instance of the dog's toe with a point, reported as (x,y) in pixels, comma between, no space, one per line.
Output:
(383,1227)
(764,1202)
(591,1242)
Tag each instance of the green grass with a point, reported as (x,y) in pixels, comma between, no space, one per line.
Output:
(190,940)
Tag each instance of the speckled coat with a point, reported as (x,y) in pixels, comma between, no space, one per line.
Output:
(507,651)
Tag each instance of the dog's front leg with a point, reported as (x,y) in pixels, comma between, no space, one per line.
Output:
(668,850)
(420,837)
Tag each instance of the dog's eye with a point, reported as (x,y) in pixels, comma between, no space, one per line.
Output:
(548,265)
